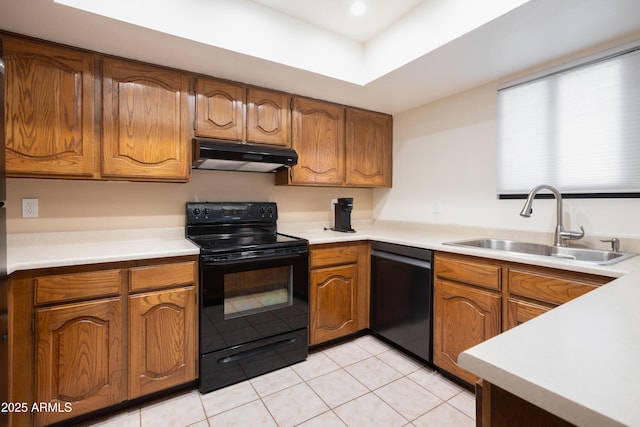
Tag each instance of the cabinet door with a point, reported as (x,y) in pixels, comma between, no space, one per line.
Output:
(319,139)
(333,297)
(519,311)
(162,340)
(50,120)
(79,361)
(368,148)
(268,117)
(145,122)
(219,110)
(463,317)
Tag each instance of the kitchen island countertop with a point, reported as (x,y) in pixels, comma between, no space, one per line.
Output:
(579,361)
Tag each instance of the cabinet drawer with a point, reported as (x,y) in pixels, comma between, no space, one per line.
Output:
(471,272)
(162,276)
(334,255)
(545,288)
(77,286)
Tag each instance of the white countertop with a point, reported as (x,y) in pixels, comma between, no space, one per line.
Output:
(27,251)
(433,236)
(579,361)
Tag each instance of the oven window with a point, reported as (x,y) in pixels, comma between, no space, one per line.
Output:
(255,291)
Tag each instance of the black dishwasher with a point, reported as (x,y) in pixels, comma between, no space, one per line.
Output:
(401,297)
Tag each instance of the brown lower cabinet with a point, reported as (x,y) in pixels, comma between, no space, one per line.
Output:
(338,290)
(464,317)
(101,335)
(79,364)
(162,339)
(477,298)
(497,407)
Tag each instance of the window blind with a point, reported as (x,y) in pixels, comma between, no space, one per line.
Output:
(577,129)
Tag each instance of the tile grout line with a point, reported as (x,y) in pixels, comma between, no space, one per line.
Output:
(206,416)
(442,401)
(370,391)
(457,390)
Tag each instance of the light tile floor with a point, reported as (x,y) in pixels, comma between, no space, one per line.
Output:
(363,382)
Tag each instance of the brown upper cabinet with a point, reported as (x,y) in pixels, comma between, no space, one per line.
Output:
(76,114)
(50,116)
(318,138)
(369,149)
(339,146)
(219,109)
(230,111)
(145,122)
(268,117)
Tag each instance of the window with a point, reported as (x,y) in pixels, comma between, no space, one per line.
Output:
(577,129)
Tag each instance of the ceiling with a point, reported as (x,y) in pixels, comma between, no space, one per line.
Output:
(335,16)
(402,54)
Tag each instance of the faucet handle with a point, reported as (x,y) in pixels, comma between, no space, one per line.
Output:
(615,243)
(572,235)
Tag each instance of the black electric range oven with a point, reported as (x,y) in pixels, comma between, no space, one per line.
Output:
(254,295)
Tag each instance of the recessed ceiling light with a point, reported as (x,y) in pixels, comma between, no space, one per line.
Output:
(358,8)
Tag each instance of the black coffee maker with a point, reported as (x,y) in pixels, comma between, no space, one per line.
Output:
(343,215)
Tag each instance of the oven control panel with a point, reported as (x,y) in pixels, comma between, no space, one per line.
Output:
(231,212)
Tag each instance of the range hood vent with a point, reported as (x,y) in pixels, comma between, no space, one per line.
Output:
(227,156)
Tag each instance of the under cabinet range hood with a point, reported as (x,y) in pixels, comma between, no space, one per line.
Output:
(225,155)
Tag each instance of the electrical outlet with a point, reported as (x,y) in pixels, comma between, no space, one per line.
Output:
(29,208)
(333,202)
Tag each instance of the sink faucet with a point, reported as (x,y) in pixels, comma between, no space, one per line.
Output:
(560,236)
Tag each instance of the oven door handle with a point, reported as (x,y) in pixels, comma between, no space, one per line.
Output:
(256,351)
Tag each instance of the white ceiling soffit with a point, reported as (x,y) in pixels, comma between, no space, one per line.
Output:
(335,16)
(438,48)
(252,28)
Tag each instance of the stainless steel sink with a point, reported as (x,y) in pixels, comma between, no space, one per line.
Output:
(591,256)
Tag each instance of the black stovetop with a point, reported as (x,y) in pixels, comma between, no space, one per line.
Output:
(231,226)
(214,244)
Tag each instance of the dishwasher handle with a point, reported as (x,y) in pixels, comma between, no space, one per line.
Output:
(401,258)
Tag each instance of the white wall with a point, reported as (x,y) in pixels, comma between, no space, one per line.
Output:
(67,205)
(445,160)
